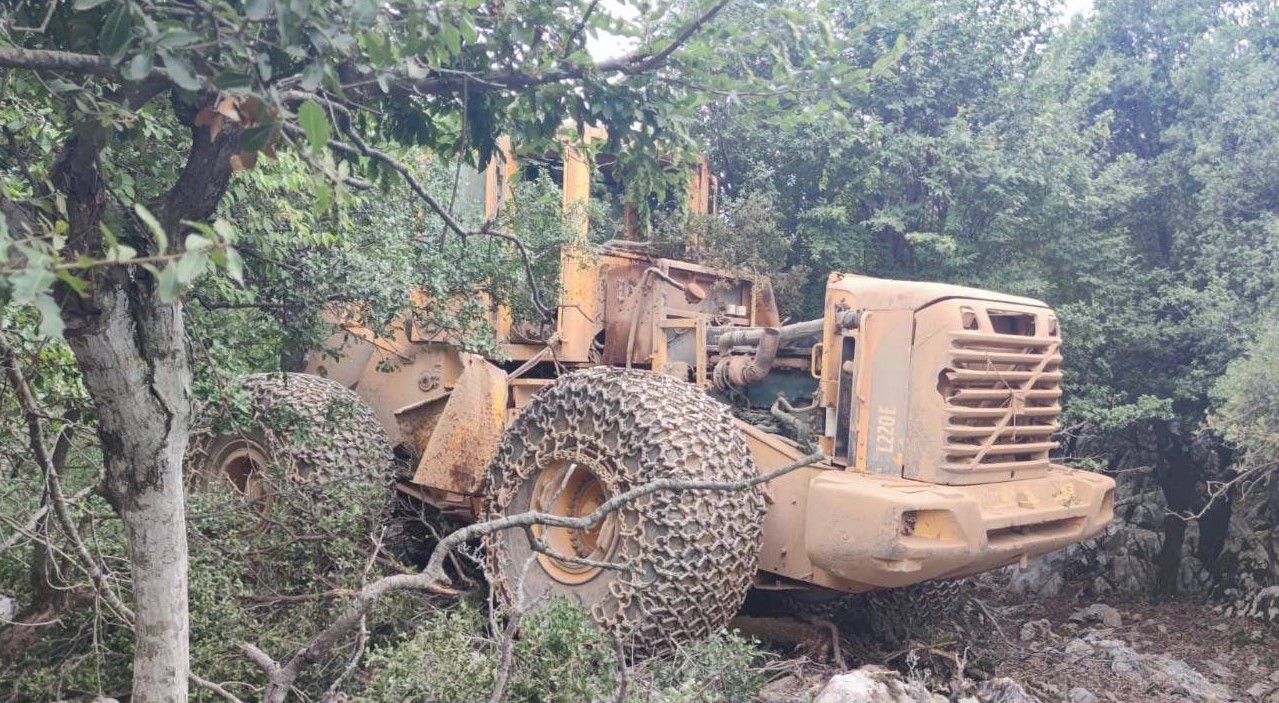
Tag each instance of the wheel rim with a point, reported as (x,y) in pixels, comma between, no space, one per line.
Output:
(242,462)
(570,488)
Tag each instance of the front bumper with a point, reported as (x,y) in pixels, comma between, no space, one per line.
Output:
(867,531)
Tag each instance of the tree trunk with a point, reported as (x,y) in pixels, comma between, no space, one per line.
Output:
(132,352)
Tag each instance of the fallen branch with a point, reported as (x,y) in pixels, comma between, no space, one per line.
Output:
(433,578)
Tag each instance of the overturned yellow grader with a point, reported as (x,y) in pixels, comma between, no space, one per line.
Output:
(931,408)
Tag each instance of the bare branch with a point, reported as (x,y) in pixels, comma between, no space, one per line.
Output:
(505,656)
(51,60)
(433,578)
(216,689)
(435,566)
(291,130)
(641,64)
(58,500)
(577,30)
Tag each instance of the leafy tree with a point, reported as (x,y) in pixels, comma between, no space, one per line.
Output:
(125,123)
(1119,167)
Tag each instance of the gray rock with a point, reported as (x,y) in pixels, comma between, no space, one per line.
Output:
(9,608)
(1257,690)
(1192,576)
(1078,647)
(1219,670)
(1171,676)
(1081,695)
(872,684)
(1042,576)
(1035,630)
(1264,605)
(1099,612)
(1004,690)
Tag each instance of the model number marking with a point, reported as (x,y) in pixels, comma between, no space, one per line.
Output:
(885,429)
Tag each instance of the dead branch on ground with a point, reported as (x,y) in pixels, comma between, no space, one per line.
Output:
(433,579)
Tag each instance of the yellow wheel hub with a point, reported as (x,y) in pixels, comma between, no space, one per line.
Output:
(571,489)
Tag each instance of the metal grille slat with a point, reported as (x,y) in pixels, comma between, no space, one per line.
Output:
(1001,393)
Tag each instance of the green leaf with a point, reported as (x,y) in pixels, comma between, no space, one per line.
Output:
(313,121)
(312,76)
(258,10)
(157,231)
(108,235)
(139,67)
(234,265)
(123,253)
(196,242)
(117,31)
(363,13)
(177,38)
(30,283)
(323,199)
(181,71)
(452,38)
(190,266)
(225,229)
(264,66)
(50,316)
(87,4)
(230,80)
(76,283)
(167,285)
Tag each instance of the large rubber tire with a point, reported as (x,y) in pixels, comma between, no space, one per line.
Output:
(312,429)
(687,557)
(898,614)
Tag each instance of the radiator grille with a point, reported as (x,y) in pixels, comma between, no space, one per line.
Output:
(1002,395)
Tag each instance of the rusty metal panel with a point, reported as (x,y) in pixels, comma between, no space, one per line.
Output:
(579,310)
(783,551)
(344,358)
(628,294)
(885,337)
(467,431)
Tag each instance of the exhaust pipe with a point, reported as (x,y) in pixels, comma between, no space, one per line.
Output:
(741,371)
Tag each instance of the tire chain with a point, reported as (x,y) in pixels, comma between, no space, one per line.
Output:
(896,614)
(891,615)
(690,556)
(345,439)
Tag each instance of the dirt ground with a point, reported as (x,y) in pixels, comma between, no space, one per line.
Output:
(1239,655)
(1061,649)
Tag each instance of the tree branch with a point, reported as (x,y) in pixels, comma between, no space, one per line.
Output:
(52,60)
(641,64)
(58,500)
(433,577)
(203,181)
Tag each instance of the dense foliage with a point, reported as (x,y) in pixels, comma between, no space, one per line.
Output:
(1120,166)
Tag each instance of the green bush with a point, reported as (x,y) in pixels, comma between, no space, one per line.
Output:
(559,657)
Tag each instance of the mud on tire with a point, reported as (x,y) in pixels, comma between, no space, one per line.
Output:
(688,557)
(314,428)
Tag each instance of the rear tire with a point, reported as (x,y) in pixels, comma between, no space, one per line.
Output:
(314,429)
(687,558)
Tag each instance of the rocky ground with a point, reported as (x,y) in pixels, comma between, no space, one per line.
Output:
(1009,648)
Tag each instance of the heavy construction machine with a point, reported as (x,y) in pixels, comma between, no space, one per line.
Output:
(926,411)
